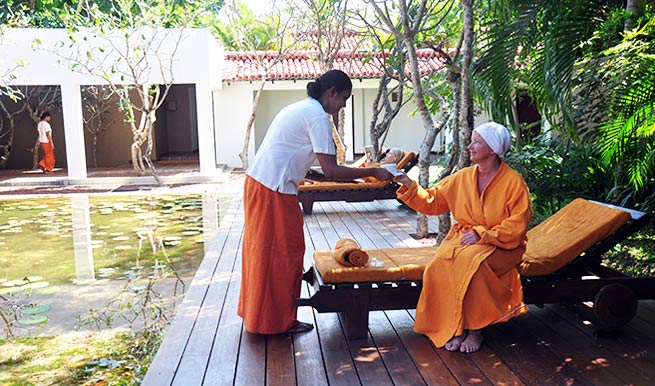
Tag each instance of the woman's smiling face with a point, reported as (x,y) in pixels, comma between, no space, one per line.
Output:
(479,149)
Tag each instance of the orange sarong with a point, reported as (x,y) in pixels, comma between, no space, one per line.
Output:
(272,266)
(47,163)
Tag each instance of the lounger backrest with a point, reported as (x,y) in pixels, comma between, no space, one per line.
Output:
(568,233)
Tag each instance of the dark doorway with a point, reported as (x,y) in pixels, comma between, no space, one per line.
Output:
(177,125)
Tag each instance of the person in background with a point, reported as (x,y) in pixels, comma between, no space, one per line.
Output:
(47,163)
(273,239)
(392,156)
(473,281)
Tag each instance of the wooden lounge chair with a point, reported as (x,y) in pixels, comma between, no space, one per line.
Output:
(556,268)
(354,191)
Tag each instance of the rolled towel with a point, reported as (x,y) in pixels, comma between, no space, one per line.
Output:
(347,252)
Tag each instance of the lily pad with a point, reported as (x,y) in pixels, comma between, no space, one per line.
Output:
(35,310)
(12,283)
(36,285)
(32,320)
(11,290)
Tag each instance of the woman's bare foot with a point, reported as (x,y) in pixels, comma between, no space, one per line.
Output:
(454,343)
(473,341)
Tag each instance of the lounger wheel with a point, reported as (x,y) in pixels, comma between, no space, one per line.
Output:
(614,306)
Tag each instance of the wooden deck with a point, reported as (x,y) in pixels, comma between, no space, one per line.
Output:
(207,345)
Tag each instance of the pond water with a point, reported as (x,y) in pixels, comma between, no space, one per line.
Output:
(61,256)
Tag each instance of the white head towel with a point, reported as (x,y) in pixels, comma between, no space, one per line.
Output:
(496,136)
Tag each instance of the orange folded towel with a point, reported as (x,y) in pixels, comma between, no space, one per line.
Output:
(347,252)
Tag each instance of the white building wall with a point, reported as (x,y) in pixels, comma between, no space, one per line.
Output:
(232,107)
(44,52)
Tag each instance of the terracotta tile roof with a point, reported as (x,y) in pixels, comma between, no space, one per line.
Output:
(302,65)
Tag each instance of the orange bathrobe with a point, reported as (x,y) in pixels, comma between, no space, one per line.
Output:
(47,163)
(273,251)
(467,287)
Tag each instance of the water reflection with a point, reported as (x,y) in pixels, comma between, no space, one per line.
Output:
(83,247)
(81,219)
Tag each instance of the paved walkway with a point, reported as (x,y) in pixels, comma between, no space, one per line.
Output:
(172,174)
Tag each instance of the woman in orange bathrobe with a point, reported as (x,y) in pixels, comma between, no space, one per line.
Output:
(273,239)
(472,281)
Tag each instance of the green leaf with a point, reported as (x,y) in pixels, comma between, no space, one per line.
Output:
(32,320)
(35,310)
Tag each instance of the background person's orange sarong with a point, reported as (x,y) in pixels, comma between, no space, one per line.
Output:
(272,266)
(470,287)
(48,161)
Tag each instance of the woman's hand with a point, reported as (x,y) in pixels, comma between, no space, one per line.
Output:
(469,238)
(403,179)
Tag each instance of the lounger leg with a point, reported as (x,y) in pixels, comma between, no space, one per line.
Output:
(307,202)
(355,316)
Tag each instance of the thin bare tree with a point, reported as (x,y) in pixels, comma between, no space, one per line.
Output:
(126,49)
(266,48)
(407,20)
(97,103)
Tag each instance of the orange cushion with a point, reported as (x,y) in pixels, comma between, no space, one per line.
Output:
(565,235)
(399,264)
(308,185)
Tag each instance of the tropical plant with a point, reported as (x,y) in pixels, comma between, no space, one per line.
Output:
(537,44)
(628,136)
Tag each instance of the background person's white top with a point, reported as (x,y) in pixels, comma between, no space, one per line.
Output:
(297,133)
(44,127)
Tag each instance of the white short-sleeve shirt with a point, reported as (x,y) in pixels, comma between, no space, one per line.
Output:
(43,127)
(297,133)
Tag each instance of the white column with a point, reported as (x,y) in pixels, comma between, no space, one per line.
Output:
(81,218)
(206,142)
(74,130)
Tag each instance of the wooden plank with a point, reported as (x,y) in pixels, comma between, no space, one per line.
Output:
(307,350)
(493,367)
(280,368)
(222,363)
(195,357)
(571,346)
(429,364)
(627,348)
(339,365)
(397,360)
(166,361)
(252,360)
(528,357)
(368,363)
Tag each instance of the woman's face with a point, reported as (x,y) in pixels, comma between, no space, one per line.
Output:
(335,101)
(479,149)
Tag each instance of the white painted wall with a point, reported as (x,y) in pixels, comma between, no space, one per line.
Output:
(233,105)
(44,54)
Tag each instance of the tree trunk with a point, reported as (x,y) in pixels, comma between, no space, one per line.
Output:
(251,121)
(636,9)
(94,149)
(338,135)
(467,97)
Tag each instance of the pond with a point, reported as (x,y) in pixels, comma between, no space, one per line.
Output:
(62,256)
